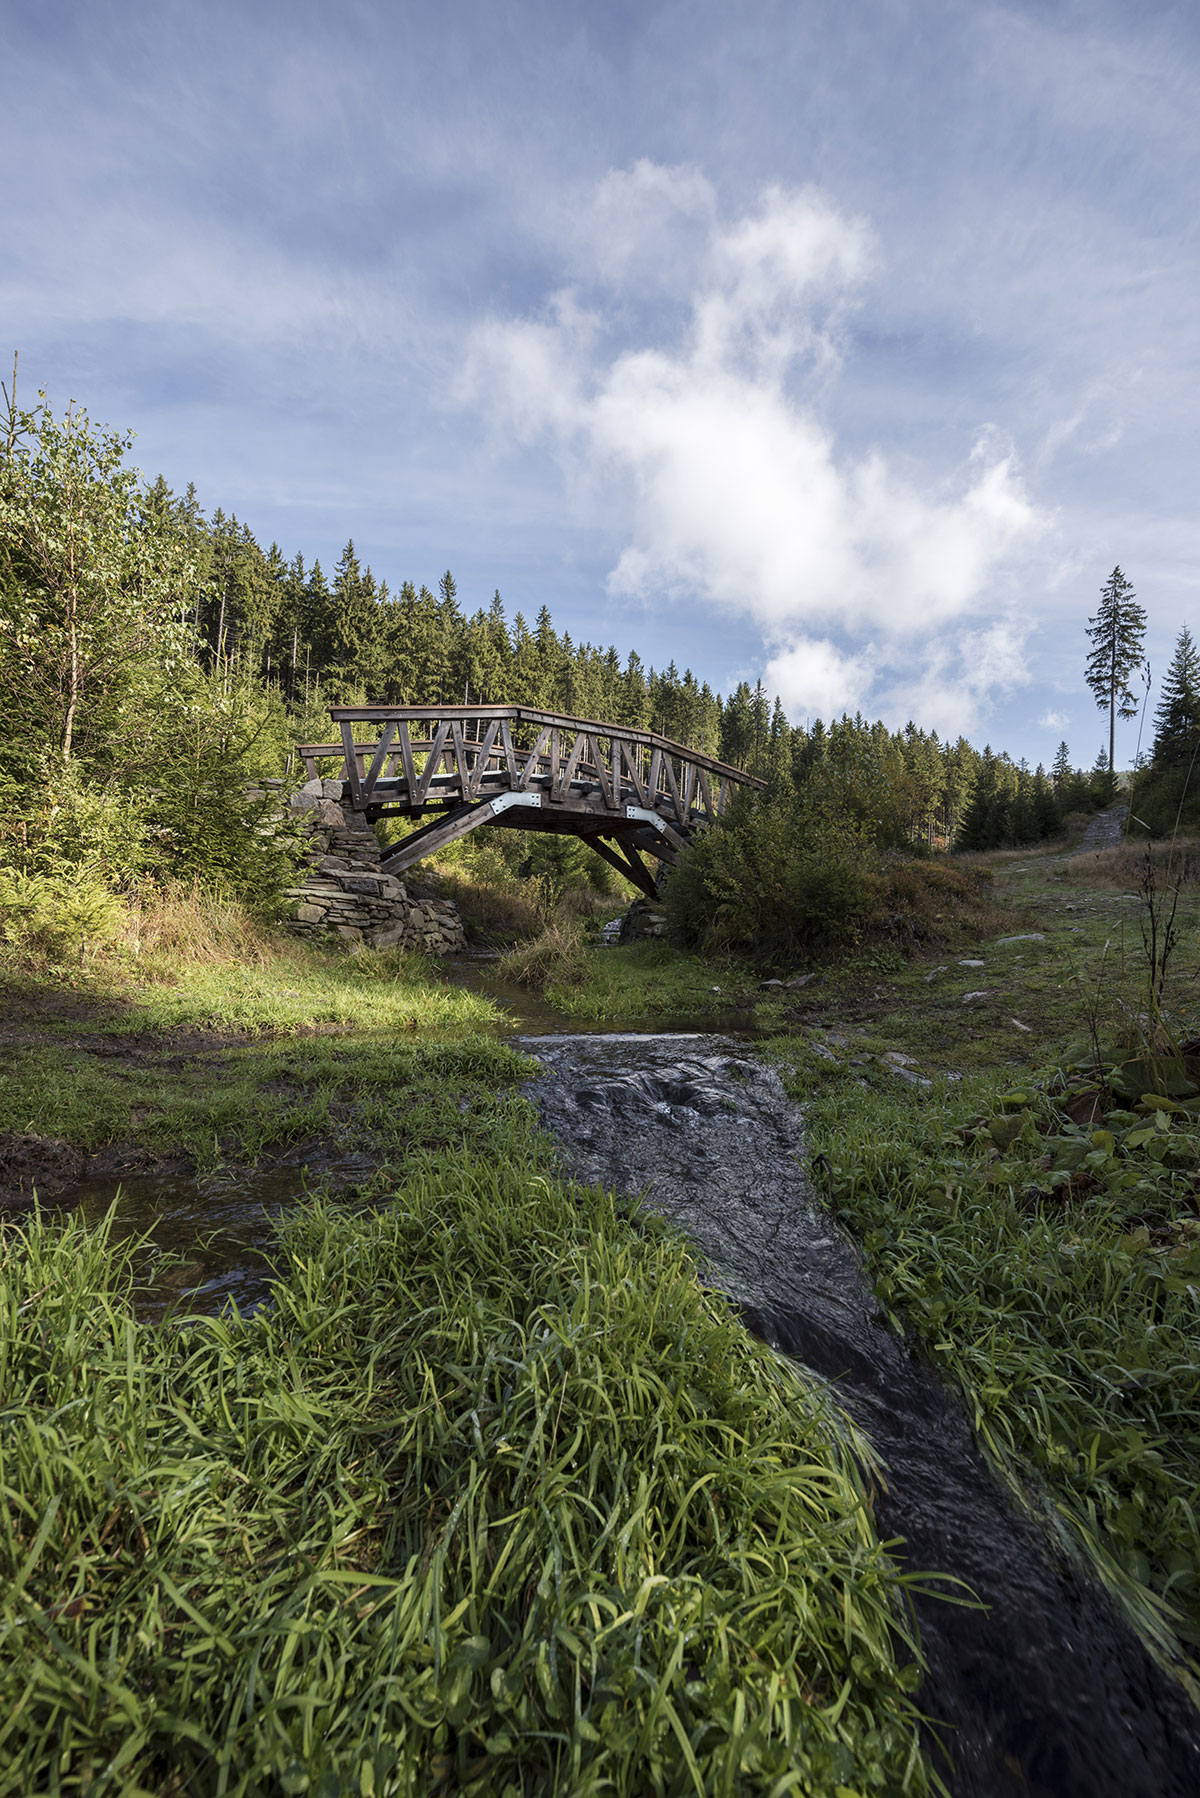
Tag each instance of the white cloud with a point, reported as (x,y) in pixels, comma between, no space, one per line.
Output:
(1054,720)
(815,678)
(856,573)
(648,222)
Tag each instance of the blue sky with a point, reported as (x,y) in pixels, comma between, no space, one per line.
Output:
(846,344)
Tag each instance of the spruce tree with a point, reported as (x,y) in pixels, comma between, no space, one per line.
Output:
(1060,767)
(1117,632)
(355,627)
(1177,720)
(737,727)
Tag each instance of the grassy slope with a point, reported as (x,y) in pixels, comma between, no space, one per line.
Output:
(1050,1271)
(1041,1236)
(494,1496)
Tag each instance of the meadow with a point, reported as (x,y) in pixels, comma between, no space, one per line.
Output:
(493,1494)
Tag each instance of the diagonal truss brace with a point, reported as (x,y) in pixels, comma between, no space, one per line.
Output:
(626,860)
(441,832)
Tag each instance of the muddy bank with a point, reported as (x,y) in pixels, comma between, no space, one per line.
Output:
(1047,1691)
(52,1169)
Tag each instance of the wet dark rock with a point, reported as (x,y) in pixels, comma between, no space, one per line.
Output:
(1046,1691)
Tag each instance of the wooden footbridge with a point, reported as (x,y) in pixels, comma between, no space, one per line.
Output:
(627,793)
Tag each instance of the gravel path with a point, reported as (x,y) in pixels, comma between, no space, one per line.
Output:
(1106,830)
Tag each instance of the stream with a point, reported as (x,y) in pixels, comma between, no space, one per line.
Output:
(1046,1692)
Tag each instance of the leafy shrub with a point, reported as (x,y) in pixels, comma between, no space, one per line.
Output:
(71,826)
(922,902)
(773,881)
(784,880)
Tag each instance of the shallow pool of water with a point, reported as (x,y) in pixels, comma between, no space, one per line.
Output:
(209,1235)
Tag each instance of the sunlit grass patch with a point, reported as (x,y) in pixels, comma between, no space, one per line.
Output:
(638,980)
(293,988)
(493,1497)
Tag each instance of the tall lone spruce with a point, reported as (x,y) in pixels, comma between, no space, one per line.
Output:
(1117,631)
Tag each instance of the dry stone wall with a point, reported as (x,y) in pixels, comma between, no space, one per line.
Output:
(347,894)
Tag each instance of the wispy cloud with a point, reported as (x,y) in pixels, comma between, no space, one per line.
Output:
(867,583)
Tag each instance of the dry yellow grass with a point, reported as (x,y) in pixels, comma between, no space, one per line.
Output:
(184,924)
(1125,866)
(555,958)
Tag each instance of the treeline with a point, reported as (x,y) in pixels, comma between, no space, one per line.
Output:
(346,638)
(1010,805)
(153,661)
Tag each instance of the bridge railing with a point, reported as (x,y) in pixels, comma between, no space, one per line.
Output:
(416,758)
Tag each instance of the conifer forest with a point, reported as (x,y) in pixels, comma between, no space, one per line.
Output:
(151,653)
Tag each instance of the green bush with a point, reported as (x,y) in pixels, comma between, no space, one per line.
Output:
(774,881)
(63,917)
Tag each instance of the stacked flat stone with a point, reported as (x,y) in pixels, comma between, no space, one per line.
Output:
(346,893)
(644,918)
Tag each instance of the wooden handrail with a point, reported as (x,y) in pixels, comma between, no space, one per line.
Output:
(519,714)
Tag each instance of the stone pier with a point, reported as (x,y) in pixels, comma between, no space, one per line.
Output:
(346,893)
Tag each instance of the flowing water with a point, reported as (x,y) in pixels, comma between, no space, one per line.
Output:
(1044,1692)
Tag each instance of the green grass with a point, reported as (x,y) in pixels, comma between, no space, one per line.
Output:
(242,1101)
(493,1498)
(640,980)
(1053,1269)
(296,989)
(220,1062)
